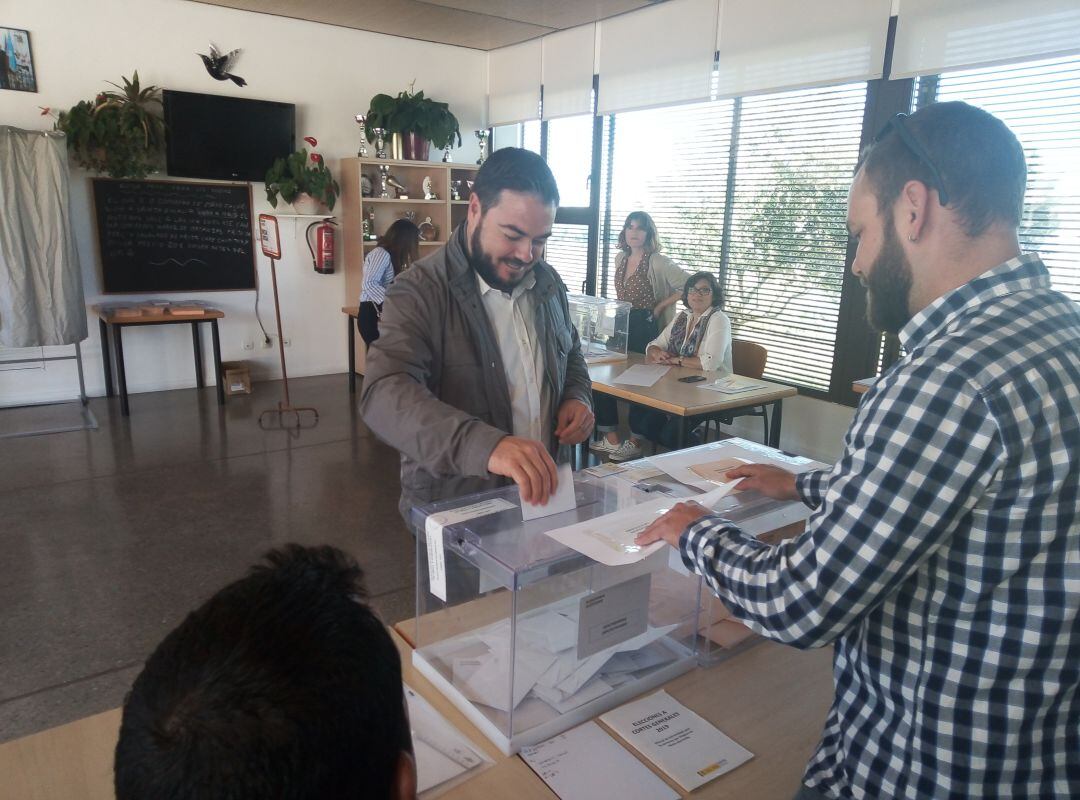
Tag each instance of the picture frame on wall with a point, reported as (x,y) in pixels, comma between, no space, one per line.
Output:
(16,61)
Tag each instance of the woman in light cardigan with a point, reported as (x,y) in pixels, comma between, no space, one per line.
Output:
(699,338)
(652,283)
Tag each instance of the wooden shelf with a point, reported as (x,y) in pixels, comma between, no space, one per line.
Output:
(459,202)
(419,164)
(408,201)
(370,243)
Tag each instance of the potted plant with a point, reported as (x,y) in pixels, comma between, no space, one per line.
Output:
(303,180)
(418,119)
(120,133)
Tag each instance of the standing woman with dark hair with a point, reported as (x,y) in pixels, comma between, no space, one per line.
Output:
(652,283)
(396,250)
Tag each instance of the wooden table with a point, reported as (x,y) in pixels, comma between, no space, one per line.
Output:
(686,401)
(353,312)
(772,699)
(109,319)
(862,386)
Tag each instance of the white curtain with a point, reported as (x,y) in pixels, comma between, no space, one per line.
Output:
(41,291)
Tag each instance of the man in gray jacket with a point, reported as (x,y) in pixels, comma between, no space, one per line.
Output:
(477,375)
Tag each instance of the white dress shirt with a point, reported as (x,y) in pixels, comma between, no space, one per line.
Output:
(513,317)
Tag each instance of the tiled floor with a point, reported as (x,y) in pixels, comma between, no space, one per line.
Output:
(109,537)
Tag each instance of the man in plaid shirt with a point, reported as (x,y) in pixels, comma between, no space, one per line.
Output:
(942,557)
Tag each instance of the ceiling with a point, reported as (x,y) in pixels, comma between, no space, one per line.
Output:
(479,24)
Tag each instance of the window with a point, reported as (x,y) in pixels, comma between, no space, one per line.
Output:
(1040,102)
(756,190)
(567,251)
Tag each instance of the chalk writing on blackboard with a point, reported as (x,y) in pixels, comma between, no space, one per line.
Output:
(173,236)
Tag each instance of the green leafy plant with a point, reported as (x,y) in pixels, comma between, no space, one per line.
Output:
(120,133)
(410,112)
(298,173)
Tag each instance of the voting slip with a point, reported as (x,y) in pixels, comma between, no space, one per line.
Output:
(562,499)
(688,748)
(585,763)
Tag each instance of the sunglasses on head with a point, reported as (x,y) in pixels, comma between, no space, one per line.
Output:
(899,124)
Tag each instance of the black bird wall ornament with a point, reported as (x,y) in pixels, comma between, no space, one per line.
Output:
(218,65)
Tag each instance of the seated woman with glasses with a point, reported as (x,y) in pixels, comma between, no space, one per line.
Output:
(699,338)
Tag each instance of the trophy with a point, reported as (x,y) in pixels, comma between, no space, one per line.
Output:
(369,227)
(447,159)
(429,192)
(401,191)
(361,120)
(365,230)
(429,232)
(380,142)
(482,137)
(455,190)
(384,177)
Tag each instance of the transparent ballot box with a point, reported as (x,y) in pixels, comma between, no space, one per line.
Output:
(528,637)
(602,325)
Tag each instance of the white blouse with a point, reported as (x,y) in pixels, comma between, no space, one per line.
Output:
(714,348)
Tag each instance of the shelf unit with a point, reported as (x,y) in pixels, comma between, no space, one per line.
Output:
(446,214)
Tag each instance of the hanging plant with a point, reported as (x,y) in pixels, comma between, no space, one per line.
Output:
(120,133)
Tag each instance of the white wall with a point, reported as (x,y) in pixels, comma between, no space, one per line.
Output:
(330,74)
(811,428)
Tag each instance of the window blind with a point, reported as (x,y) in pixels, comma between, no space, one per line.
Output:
(1040,102)
(568,71)
(793,167)
(514,83)
(771,45)
(658,55)
(934,36)
(567,251)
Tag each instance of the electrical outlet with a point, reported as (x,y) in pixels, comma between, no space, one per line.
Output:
(266,344)
(287,342)
(249,344)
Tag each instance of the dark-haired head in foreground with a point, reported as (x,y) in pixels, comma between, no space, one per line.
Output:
(282,685)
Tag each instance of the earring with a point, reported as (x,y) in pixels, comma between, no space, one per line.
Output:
(911,238)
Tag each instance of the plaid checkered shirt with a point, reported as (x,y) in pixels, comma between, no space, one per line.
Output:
(942,557)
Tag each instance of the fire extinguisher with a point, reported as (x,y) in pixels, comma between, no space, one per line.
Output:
(322,252)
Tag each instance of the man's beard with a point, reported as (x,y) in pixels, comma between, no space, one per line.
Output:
(889,285)
(480,261)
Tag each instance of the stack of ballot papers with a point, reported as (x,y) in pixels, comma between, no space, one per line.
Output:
(546,666)
(444,757)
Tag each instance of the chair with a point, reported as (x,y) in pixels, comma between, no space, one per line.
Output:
(747,359)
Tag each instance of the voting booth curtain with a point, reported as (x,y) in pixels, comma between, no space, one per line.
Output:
(41,291)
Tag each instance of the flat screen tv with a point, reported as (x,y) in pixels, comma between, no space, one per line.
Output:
(225,138)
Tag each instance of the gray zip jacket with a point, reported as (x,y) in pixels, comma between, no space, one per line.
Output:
(435,387)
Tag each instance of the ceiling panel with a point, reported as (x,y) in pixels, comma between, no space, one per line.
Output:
(548,13)
(412,19)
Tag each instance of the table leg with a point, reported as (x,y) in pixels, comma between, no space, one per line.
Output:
(121,375)
(680,441)
(774,424)
(196,341)
(217,362)
(106,357)
(352,355)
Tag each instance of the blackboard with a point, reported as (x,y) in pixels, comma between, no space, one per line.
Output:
(171,236)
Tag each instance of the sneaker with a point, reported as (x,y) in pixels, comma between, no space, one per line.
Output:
(627,451)
(603,446)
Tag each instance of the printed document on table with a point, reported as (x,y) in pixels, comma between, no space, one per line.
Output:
(642,375)
(585,763)
(609,539)
(732,384)
(562,500)
(442,752)
(688,748)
